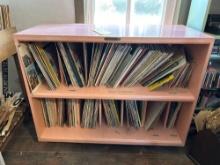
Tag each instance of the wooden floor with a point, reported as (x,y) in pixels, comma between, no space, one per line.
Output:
(23,149)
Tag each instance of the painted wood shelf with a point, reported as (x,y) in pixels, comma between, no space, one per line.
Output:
(197,44)
(105,135)
(123,93)
(177,34)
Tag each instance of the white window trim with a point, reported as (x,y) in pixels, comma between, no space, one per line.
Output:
(128,11)
(89,9)
(170,11)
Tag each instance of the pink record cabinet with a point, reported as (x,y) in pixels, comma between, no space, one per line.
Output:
(198,44)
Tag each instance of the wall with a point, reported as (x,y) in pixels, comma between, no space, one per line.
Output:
(27,13)
(4,2)
(215,7)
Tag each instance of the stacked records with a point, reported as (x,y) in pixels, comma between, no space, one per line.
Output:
(211,80)
(133,114)
(90,113)
(59,112)
(87,113)
(111,65)
(111,111)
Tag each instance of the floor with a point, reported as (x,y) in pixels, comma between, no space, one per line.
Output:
(24,149)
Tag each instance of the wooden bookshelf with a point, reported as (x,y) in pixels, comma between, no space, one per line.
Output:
(7,46)
(198,44)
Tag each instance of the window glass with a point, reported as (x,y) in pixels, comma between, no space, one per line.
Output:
(146,11)
(110,12)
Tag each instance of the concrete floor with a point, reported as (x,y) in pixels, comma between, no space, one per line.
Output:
(24,149)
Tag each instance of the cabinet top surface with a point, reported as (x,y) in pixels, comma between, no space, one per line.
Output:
(85,32)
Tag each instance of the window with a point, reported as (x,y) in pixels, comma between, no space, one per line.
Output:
(130,11)
(110,11)
(146,11)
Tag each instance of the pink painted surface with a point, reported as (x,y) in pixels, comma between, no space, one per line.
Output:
(122,93)
(122,135)
(89,33)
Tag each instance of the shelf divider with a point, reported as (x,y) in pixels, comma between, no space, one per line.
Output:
(122,93)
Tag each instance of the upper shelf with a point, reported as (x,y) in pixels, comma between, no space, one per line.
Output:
(123,93)
(177,34)
(7,46)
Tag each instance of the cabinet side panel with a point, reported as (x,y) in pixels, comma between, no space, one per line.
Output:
(200,55)
(184,120)
(33,104)
(37,114)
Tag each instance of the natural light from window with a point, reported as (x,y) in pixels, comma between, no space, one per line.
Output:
(133,12)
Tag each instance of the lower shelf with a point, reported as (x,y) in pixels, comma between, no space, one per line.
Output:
(104,135)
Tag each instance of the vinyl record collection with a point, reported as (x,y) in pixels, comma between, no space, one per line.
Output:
(106,64)
(206,98)
(211,80)
(113,113)
(216,48)
(111,65)
(210,88)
